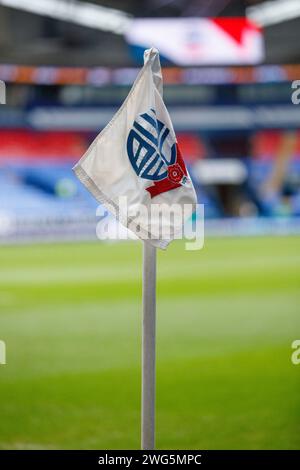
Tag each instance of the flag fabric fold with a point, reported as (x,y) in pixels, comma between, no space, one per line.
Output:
(136,158)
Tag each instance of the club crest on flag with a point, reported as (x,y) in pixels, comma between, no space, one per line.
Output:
(154,154)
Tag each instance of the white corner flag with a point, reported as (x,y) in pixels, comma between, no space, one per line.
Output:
(135,169)
(134,165)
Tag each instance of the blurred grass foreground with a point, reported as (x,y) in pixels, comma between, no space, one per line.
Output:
(70,316)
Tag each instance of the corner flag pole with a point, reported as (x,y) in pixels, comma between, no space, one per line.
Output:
(148,347)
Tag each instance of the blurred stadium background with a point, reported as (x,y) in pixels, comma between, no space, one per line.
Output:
(227,315)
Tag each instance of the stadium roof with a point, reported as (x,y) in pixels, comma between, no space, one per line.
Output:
(29,34)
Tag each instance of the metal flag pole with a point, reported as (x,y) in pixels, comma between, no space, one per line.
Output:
(148,347)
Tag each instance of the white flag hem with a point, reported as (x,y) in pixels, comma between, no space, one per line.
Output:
(126,221)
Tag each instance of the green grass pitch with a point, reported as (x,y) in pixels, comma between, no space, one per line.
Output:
(71,319)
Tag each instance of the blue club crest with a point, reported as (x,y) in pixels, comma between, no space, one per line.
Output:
(150,147)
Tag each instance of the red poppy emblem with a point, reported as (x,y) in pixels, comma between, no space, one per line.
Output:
(175,173)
